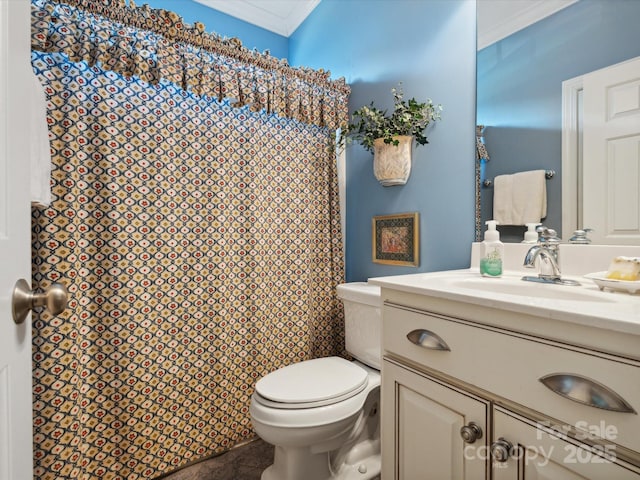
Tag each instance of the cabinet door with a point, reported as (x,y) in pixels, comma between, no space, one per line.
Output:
(421,422)
(539,455)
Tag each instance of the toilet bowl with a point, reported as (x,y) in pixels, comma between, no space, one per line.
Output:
(323,415)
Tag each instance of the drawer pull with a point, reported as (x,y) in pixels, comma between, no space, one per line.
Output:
(586,391)
(427,339)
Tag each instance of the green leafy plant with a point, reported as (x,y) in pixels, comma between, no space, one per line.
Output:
(409,117)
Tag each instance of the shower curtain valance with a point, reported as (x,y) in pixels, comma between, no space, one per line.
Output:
(155,44)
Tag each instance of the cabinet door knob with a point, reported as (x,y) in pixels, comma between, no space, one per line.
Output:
(501,450)
(470,433)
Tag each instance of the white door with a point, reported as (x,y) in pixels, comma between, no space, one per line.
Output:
(15,240)
(611,168)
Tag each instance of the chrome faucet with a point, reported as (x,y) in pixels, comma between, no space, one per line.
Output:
(546,251)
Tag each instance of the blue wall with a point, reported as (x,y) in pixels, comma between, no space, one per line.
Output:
(429,45)
(520,87)
(225,25)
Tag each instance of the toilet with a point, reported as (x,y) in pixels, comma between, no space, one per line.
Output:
(323,415)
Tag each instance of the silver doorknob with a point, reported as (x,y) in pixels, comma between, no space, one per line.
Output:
(470,433)
(501,449)
(55,299)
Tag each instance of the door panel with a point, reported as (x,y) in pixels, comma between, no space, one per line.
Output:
(15,238)
(539,455)
(419,414)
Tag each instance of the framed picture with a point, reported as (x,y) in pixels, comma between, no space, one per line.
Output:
(395,239)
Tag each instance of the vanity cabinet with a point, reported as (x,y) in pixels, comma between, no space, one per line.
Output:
(542,407)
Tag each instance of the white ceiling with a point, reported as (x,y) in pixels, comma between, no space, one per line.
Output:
(279,16)
(497,19)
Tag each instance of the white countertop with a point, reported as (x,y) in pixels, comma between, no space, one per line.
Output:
(583,305)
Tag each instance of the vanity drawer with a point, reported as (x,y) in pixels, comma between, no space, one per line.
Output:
(511,366)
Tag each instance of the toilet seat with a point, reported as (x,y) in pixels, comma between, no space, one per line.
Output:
(312,383)
(262,413)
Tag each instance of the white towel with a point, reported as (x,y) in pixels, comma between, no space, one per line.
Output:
(39,149)
(520,198)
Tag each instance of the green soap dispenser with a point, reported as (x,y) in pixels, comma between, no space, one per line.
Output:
(491,251)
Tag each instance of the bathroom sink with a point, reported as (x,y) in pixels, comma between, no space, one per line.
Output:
(516,286)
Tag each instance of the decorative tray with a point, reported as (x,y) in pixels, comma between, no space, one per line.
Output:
(600,279)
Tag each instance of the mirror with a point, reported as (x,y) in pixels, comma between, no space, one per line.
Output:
(519,85)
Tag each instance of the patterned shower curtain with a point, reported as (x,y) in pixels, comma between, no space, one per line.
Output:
(200,244)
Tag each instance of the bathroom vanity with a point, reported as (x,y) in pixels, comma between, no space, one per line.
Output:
(505,379)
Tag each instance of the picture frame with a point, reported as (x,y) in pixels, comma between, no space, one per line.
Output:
(396,239)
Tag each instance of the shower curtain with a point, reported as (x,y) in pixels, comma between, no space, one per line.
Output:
(198,236)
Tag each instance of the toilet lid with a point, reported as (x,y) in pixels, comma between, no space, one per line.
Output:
(313,383)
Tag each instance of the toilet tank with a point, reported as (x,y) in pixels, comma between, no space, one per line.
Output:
(362,321)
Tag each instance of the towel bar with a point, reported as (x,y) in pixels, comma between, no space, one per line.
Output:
(547,173)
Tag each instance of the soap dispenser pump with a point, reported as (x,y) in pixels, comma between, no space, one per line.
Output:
(531,235)
(491,251)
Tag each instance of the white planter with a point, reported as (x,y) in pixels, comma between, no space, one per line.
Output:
(392,163)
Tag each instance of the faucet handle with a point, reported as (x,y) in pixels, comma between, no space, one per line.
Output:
(547,235)
(581,236)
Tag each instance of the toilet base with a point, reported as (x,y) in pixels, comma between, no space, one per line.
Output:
(300,463)
(354,458)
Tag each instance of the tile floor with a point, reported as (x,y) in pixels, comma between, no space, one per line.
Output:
(242,463)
